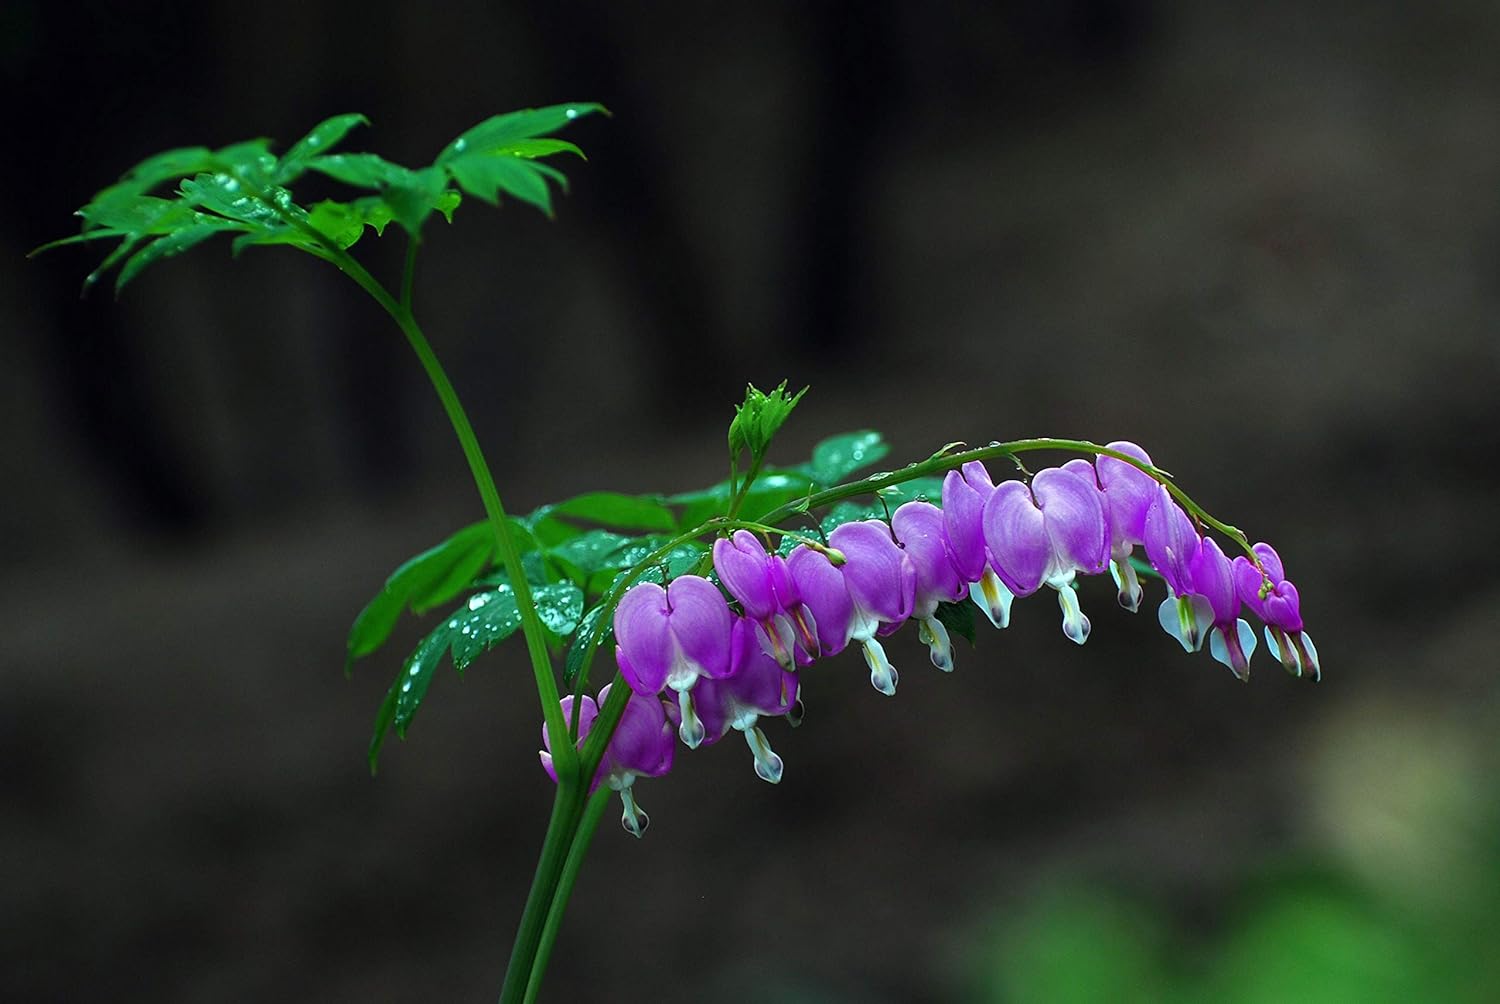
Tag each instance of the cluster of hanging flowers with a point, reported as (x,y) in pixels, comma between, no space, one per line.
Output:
(727,668)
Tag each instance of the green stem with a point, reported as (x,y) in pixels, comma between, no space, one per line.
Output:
(743,490)
(510,555)
(561,829)
(944,461)
(592,812)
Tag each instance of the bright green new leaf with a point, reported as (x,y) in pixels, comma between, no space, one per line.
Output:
(757,420)
(319,140)
(504,132)
(226,196)
(362,170)
(485,176)
(170,246)
(415,199)
(169,165)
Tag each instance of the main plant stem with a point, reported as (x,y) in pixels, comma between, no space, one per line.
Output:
(505,543)
(563,829)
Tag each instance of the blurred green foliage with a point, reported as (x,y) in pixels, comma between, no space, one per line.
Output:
(1394,900)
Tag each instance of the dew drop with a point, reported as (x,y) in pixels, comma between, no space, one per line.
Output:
(460,145)
(572,113)
(475,602)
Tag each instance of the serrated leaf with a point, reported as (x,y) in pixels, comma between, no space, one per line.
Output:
(586,553)
(502,131)
(223,194)
(530,148)
(362,170)
(169,165)
(613,509)
(835,458)
(414,200)
(127,246)
(680,560)
(133,213)
(427,580)
(482,622)
(170,246)
(321,138)
(489,617)
(251,160)
(958,618)
(486,175)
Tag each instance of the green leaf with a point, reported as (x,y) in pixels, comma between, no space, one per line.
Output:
(409,196)
(835,458)
(503,132)
(883,503)
(414,200)
(680,560)
(592,623)
(489,617)
(625,512)
(128,212)
(362,170)
(223,194)
(772,489)
(587,553)
(530,148)
(431,578)
(343,222)
(169,165)
(958,618)
(251,160)
(321,138)
(486,175)
(170,246)
(482,622)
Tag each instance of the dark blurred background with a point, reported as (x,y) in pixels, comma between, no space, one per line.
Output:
(1263,240)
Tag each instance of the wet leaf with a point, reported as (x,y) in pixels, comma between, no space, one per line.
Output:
(612,509)
(431,578)
(483,621)
(319,140)
(837,457)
